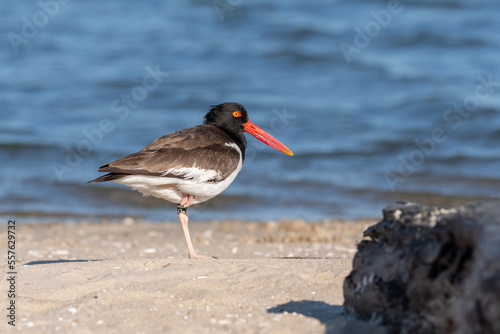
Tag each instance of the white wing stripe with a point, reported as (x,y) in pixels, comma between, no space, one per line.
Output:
(194,173)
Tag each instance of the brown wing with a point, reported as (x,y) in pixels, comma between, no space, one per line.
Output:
(203,147)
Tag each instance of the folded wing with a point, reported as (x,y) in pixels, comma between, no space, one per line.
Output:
(202,153)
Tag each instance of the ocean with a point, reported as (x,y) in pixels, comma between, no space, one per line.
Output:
(380,101)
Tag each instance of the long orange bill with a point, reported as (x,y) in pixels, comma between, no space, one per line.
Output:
(265,137)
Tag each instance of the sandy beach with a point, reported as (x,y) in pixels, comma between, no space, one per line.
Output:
(135,277)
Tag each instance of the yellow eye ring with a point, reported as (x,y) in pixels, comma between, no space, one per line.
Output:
(236,114)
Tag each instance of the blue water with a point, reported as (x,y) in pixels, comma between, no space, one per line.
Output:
(399,111)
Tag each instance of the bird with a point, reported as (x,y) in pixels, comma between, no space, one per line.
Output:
(192,165)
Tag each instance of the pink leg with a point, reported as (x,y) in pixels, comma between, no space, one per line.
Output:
(186,201)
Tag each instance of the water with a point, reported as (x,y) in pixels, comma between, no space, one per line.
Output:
(377,120)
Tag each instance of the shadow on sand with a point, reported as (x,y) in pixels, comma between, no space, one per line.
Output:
(33,263)
(332,316)
(311,308)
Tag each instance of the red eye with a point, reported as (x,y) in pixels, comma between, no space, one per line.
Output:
(236,114)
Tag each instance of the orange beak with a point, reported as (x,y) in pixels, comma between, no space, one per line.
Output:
(265,137)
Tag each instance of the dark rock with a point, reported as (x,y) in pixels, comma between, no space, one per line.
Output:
(429,270)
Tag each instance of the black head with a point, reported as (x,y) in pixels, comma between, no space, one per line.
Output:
(233,118)
(230,117)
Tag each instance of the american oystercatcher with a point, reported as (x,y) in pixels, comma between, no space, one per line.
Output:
(193,165)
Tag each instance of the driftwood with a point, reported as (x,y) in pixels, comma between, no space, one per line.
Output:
(429,270)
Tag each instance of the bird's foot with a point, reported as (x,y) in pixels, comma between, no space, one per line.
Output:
(196,256)
(183,218)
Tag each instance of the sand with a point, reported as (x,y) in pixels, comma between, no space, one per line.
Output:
(135,277)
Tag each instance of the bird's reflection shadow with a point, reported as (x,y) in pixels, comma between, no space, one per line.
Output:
(332,316)
(32,263)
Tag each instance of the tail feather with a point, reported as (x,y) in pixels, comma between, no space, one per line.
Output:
(109,177)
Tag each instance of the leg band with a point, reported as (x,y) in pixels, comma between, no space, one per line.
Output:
(181,209)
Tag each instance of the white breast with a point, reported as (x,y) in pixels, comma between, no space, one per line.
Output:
(171,189)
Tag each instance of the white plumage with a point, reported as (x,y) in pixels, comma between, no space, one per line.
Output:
(194,182)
